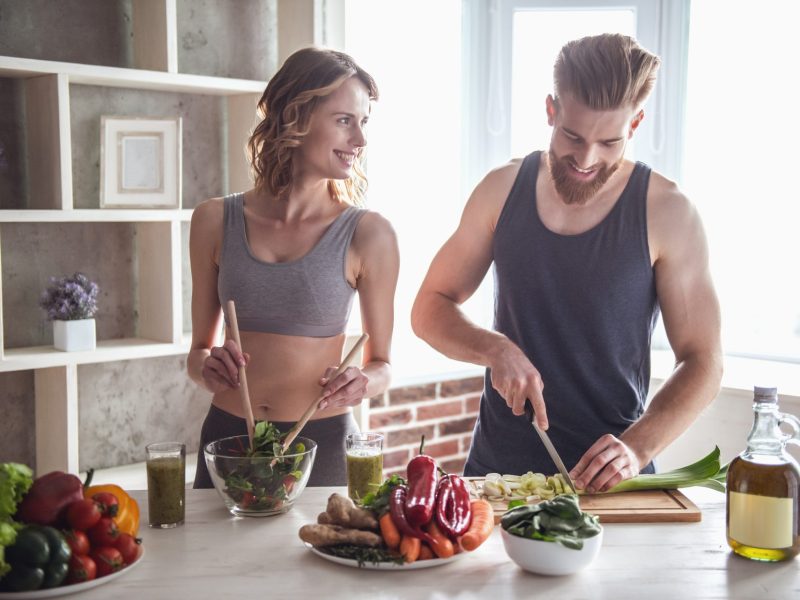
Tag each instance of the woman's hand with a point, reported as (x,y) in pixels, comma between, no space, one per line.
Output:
(348,389)
(221,367)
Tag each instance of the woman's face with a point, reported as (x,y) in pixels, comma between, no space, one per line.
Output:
(337,133)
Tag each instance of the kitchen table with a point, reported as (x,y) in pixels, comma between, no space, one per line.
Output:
(215,555)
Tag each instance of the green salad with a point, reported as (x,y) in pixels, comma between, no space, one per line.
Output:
(558,520)
(266,481)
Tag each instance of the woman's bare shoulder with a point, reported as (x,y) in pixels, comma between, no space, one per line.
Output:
(374,231)
(209,213)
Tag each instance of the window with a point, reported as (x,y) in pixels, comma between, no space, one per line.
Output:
(740,167)
(414,158)
(462,86)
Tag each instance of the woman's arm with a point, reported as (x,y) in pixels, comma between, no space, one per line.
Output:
(215,368)
(376,261)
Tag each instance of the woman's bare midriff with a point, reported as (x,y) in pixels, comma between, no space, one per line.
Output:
(283,375)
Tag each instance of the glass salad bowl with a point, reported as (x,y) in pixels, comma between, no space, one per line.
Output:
(259,486)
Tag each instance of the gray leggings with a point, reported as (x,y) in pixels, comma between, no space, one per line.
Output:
(330,467)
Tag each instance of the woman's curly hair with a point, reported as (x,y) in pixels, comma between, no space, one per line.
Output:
(306,78)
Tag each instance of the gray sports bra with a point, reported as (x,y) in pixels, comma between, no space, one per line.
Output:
(309,296)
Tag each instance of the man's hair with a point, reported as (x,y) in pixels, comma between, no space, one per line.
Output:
(606,71)
(306,78)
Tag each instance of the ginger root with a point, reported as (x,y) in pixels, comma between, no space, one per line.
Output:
(329,535)
(342,511)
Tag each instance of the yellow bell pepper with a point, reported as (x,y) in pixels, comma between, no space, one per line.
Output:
(127,518)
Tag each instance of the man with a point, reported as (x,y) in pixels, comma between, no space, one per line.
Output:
(586,247)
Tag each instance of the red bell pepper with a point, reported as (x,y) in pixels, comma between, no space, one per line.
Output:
(453,506)
(46,501)
(422,479)
(397,504)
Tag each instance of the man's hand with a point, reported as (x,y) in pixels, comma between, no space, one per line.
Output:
(605,464)
(517,380)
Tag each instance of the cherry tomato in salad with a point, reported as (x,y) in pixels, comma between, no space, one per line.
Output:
(78,541)
(83,514)
(107,502)
(129,547)
(81,568)
(107,559)
(104,533)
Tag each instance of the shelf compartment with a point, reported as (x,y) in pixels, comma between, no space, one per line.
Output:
(44,357)
(94,215)
(25,68)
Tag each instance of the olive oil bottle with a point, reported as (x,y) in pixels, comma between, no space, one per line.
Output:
(762,519)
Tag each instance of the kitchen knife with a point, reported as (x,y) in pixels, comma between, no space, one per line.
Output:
(551,450)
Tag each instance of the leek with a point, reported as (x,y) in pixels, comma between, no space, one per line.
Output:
(706,472)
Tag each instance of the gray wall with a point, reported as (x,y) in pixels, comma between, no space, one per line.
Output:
(123,405)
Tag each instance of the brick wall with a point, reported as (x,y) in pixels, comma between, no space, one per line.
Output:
(445,412)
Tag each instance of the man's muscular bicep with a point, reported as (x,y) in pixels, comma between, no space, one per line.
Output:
(684,285)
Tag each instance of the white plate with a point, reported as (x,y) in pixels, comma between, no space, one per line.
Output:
(386,566)
(72,588)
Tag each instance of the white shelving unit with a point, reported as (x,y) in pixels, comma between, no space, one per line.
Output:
(46,88)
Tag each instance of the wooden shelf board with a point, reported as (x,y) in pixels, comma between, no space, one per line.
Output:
(129,78)
(92,215)
(42,357)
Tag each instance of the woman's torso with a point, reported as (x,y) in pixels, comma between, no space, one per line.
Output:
(293,285)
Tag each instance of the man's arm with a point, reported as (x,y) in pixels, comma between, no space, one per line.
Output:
(690,310)
(454,275)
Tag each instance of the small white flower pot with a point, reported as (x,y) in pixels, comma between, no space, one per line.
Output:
(72,336)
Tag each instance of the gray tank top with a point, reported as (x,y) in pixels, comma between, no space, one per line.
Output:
(309,296)
(582,308)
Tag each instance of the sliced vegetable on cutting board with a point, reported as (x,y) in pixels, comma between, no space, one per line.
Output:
(645,498)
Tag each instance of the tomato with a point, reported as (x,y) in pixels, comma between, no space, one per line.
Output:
(78,541)
(107,559)
(129,547)
(107,502)
(104,533)
(81,568)
(82,514)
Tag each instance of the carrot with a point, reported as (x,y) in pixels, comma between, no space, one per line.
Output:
(410,548)
(442,546)
(481,527)
(391,536)
(425,552)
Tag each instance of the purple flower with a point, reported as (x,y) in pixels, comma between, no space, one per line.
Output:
(70,298)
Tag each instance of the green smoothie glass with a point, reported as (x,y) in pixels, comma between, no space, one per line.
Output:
(364,463)
(166,484)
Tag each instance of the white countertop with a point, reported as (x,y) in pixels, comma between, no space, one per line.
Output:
(215,555)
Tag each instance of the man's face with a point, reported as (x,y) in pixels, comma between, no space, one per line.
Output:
(587,146)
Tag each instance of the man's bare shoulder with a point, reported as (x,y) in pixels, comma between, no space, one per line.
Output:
(499,180)
(667,204)
(489,196)
(672,220)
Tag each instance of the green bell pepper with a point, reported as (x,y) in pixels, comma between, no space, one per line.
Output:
(39,558)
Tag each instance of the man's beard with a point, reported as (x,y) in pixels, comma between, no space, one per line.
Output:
(570,189)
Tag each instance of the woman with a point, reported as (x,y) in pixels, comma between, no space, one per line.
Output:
(291,253)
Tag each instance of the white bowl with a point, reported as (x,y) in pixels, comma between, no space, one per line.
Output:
(551,558)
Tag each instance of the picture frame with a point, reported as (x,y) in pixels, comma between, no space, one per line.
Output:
(140,162)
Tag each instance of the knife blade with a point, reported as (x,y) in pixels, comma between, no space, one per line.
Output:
(551,449)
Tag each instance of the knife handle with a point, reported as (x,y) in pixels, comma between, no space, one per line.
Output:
(529,411)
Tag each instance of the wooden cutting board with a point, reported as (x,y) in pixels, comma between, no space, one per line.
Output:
(645,506)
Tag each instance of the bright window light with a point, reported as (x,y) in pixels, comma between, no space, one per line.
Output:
(414,150)
(740,167)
